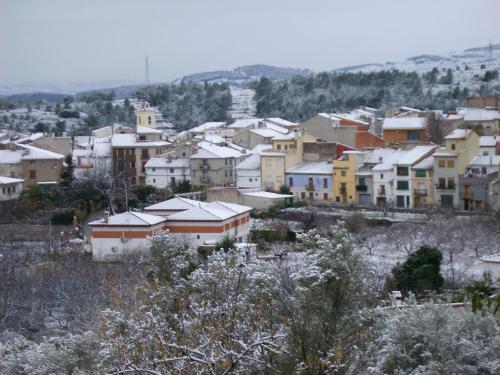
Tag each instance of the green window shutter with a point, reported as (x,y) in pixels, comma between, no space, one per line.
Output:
(420,173)
(402,185)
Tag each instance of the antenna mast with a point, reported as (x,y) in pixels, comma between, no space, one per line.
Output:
(146,71)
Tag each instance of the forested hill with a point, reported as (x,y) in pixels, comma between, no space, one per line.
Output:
(301,97)
(189,104)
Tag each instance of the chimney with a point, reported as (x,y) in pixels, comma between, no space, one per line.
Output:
(106,217)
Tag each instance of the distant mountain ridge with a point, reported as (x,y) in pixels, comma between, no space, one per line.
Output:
(247,73)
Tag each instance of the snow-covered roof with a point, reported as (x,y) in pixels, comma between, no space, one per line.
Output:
(210,151)
(281,122)
(175,204)
(252,162)
(130,218)
(459,134)
(495,258)
(479,114)
(268,194)
(130,140)
(336,117)
(244,123)
(284,137)
(391,123)
(260,147)
(162,162)
(276,128)
(381,155)
(489,140)
(8,180)
(27,152)
(408,157)
(147,130)
(311,167)
(485,160)
(266,133)
(207,125)
(383,167)
(426,163)
(213,211)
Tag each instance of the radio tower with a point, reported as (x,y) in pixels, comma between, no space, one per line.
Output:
(146,71)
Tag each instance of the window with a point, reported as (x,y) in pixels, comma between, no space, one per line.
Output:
(154,180)
(32,162)
(441,183)
(231,172)
(172,180)
(451,183)
(154,169)
(402,171)
(382,176)
(413,135)
(149,120)
(420,173)
(325,183)
(225,161)
(362,181)
(33,175)
(453,146)
(171,170)
(250,180)
(144,154)
(142,138)
(325,196)
(343,173)
(442,163)
(402,185)
(290,181)
(485,153)
(303,195)
(278,147)
(483,170)
(269,162)
(197,236)
(286,147)
(343,188)
(451,163)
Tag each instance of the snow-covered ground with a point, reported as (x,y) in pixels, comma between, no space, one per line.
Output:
(21,119)
(468,67)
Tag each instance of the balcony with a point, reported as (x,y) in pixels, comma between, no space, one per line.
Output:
(343,191)
(203,166)
(420,192)
(309,187)
(444,187)
(361,187)
(381,192)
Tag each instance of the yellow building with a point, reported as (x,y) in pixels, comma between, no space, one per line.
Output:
(146,116)
(344,177)
(286,152)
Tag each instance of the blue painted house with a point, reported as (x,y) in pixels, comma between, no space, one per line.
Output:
(311,180)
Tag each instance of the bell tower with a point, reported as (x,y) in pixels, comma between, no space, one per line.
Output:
(146,116)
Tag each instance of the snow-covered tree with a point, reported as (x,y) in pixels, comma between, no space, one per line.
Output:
(435,340)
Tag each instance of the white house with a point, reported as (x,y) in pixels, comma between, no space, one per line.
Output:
(402,185)
(210,223)
(114,236)
(163,172)
(248,173)
(489,144)
(173,206)
(10,188)
(491,264)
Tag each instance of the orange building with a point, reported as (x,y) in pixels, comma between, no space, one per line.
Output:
(400,130)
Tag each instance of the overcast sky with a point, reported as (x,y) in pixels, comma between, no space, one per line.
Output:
(94,40)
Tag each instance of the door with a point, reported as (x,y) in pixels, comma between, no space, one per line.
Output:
(446,201)
(400,201)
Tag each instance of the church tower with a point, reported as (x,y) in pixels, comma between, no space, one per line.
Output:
(146,116)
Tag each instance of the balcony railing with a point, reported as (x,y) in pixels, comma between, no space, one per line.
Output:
(343,191)
(203,166)
(381,192)
(444,187)
(361,187)
(420,192)
(309,187)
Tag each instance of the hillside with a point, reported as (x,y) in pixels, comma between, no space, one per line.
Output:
(247,73)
